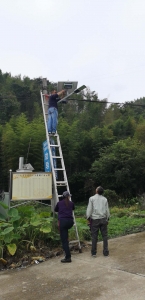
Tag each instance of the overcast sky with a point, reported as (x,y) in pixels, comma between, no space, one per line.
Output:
(99,43)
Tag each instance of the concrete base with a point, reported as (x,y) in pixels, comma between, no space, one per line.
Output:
(121,276)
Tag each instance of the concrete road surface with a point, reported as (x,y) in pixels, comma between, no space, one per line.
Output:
(121,276)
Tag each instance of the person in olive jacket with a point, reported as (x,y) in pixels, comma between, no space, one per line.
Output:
(98,216)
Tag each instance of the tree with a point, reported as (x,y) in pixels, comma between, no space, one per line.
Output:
(121,168)
(9,106)
(140,132)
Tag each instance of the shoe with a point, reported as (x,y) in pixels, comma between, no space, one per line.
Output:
(53,133)
(106,253)
(49,132)
(94,255)
(66,260)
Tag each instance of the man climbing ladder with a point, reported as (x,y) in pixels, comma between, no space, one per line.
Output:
(60,182)
(53,110)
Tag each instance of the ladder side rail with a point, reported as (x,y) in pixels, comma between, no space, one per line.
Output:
(65,177)
(53,169)
(50,153)
(63,165)
(76,230)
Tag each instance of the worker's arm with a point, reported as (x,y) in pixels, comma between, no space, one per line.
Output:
(107,211)
(56,208)
(47,97)
(61,93)
(89,209)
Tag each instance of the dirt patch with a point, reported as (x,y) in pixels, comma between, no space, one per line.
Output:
(25,258)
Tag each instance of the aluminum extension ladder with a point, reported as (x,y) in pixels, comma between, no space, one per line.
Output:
(59,176)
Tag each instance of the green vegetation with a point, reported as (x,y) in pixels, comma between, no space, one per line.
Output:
(31,227)
(25,228)
(123,221)
(101,144)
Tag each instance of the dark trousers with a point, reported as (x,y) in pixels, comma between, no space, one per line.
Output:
(96,225)
(65,225)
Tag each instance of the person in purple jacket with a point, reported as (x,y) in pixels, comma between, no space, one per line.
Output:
(65,208)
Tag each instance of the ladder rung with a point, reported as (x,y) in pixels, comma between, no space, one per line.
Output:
(52,134)
(61,183)
(75,241)
(58,185)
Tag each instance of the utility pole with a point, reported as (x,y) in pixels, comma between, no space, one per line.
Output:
(44,85)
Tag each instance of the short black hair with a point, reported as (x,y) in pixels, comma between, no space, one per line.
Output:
(100,190)
(53,89)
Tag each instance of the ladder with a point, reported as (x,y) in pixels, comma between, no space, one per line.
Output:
(59,176)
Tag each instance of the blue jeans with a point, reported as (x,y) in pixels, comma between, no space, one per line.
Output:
(65,225)
(52,119)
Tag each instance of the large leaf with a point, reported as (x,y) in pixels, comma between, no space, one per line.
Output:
(36,221)
(45,228)
(8,238)
(26,211)
(4,224)
(13,212)
(7,230)
(16,236)
(4,205)
(12,248)
(16,218)
(45,214)
(26,225)
(2,218)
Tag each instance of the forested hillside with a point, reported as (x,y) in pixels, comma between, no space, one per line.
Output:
(102,144)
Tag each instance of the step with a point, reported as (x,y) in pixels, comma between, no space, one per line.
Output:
(61,182)
(73,242)
(56,169)
(54,145)
(56,156)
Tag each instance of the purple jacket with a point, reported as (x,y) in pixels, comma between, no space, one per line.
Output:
(64,211)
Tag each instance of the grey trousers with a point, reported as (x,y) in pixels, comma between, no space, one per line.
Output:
(96,225)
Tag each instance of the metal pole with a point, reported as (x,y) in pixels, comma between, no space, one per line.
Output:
(44,91)
(10,187)
(21,163)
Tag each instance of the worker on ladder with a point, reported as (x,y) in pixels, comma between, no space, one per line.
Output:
(53,110)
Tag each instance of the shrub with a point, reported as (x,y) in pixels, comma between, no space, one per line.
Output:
(111,196)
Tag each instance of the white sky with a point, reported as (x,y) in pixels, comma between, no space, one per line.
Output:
(99,43)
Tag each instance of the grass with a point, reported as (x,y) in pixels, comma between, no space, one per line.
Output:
(123,221)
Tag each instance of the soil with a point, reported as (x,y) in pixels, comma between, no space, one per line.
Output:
(25,258)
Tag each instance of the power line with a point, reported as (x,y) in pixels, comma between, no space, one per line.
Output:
(101,101)
(86,100)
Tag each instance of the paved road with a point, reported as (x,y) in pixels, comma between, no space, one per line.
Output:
(121,276)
